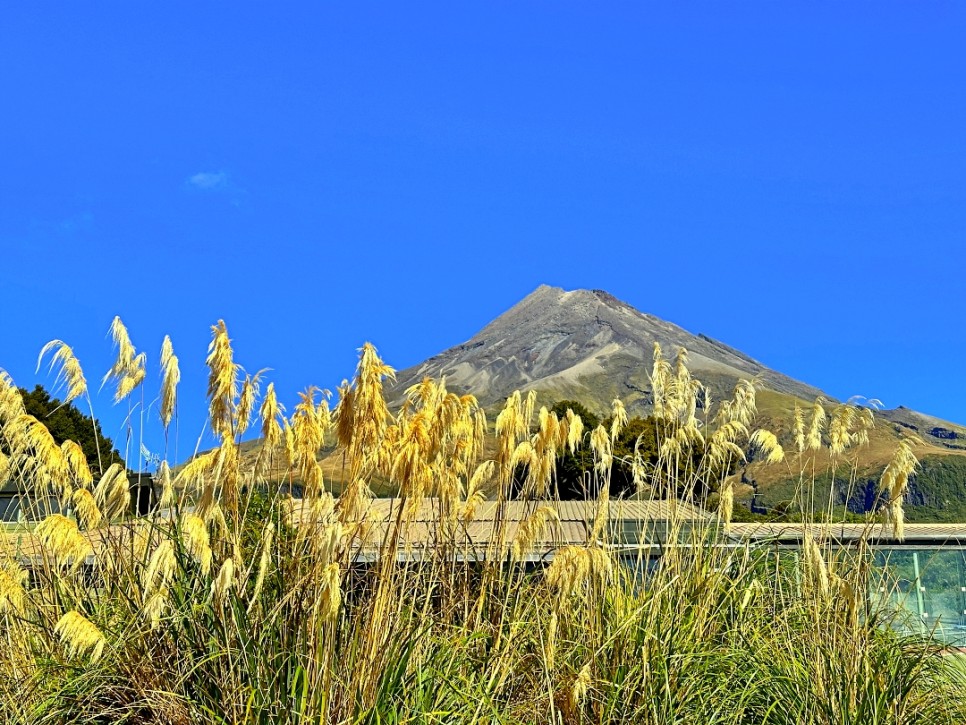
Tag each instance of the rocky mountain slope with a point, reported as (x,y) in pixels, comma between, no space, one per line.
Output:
(587,345)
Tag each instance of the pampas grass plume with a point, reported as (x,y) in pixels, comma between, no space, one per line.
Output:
(70,369)
(80,635)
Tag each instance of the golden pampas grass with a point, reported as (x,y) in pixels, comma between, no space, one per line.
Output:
(80,636)
(264,559)
(86,508)
(528,405)
(154,607)
(896,517)
(13,580)
(895,477)
(618,418)
(270,414)
(70,370)
(165,482)
(600,445)
(895,482)
(30,434)
(532,530)
(575,567)
(127,384)
(224,582)
(575,431)
(76,462)
(798,428)
(726,503)
(578,691)
(160,569)
(813,440)
(840,429)
(660,379)
(722,444)
(330,598)
(768,446)
(128,368)
(113,491)
(11,402)
(222,382)
(195,539)
(816,565)
(63,541)
(170,378)
(362,415)
(246,401)
(550,642)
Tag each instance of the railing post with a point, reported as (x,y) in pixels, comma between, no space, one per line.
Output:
(920,604)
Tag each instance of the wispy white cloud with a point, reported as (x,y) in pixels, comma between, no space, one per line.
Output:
(209,180)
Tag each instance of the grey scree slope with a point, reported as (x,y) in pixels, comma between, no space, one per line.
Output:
(587,345)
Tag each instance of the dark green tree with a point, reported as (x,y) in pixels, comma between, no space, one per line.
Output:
(574,470)
(67,422)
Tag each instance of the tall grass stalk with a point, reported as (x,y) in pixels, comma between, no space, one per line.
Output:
(236,603)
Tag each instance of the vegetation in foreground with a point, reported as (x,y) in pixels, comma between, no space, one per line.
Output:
(235,604)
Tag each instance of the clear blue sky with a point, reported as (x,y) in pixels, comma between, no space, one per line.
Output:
(789,178)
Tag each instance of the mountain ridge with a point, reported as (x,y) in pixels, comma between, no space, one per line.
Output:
(590,345)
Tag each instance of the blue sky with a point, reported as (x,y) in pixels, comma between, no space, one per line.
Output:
(789,178)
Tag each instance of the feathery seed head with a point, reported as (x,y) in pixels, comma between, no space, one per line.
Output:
(575,431)
(194,536)
(154,607)
(70,370)
(127,384)
(574,568)
(578,693)
(13,580)
(264,559)
(816,565)
(160,569)
(798,428)
(63,541)
(814,439)
(896,516)
(726,503)
(270,414)
(171,376)
(128,368)
(330,599)
(166,484)
(224,582)
(113,491)
(532,530)
(619,418)
(246,401)
(768,445)
(88,513)
(600,445)
(222,382)
(895,477)
(76,462)
(80,636)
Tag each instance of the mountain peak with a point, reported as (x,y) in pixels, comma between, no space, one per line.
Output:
(588,345)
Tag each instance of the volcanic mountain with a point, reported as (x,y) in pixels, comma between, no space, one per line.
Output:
(589,346)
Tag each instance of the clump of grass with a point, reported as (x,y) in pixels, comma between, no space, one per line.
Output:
(237,603)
